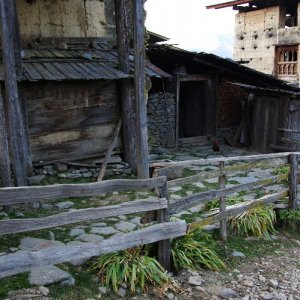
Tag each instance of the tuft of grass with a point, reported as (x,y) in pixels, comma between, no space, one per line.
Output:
(258,221)
(290,218)
(195,250)
(229,201)
(133,267)
(284,169)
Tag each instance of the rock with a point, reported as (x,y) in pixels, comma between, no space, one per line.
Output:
(267,296)
(69,282)
(123,218)
(175,197)
(34,244)
(36,205)
(273,283)
(280,296)
(212,180)
(228,293)
(238,254)
(44,290)
(2,253)
(3,214)
(87,174)
(62,175)
(13,249)
(98,224)
(262,278)
(47,275)
(74,176)
(18,214)
(35,180)
(136,220)
(199,185)
(61,167)
(48,206)
(102,290)
(125,226)
(76,232)
(89,238)
(64,205)
(195,280)
(122,292)
(248,283)
(104,230)
(170,296)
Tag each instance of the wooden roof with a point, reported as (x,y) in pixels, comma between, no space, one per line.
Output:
(85,64)
(231,3)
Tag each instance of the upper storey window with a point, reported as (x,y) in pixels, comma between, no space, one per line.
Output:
(289,14)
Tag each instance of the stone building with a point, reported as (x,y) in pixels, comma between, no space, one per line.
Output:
(267,36)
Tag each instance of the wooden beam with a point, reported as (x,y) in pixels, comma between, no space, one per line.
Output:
(288,130)
(17,129)
(293,182)
(58,191)
(140,89)
(123,26)
(222,201)
(80,215)
(24,261)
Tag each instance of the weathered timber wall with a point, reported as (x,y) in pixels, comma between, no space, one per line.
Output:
(66,18)
(161,119)
(68,120)
(229,104)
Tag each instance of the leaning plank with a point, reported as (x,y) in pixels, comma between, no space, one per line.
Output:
(12,264)
(190,201)
(232,212)
(290,141)
(200,162)
(109,151)
(227,171)
(81,215)
(58,191)
(288,130)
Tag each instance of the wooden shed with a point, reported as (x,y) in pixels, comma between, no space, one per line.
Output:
(211,94)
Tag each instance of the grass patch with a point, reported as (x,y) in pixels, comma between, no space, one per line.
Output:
(16,282)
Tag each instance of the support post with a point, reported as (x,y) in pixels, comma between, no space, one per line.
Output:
(122,13)
(293,182)
(222,200)
(4,152)
(164,247)
(139,80)
(17,130)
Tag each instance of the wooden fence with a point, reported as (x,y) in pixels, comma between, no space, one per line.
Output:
(161,232)
(175,169)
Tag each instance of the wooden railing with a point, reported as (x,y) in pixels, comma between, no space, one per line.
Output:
(11,264)
(174,169)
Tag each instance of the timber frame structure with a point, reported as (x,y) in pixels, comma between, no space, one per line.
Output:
(14,133)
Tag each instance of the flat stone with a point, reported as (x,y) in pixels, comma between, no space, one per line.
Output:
(122,292)
(87,174)
(45,291)
(64,205)
(182,213)
(79,261)
(13,249)
(280,296)
(48,206)
(136,220)
(212,180)
(228,293)
(238,254)
(243,180)
(273,283)
(68,282)
(176,197)
(34,244)
(197,208)
(267,296)
(195,280)
(3,214)
(19,214)
(175,189)
(76,232)
(102,290)
(89,238)
(74,176)
(199,185)
(125,226)
(47,275)
(104,230)
(34,180)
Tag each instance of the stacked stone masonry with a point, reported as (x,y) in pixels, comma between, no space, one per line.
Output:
(161,119)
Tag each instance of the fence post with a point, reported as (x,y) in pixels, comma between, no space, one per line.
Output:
(222,200)
(293,182)
(164,247)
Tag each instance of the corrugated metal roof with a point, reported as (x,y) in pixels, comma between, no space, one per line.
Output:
(57,65)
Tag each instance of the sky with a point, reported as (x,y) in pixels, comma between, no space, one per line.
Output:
(191,26)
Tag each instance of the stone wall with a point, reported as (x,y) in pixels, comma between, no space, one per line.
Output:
(65,18)
(161,119)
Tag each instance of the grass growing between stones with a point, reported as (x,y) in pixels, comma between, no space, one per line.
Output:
(13,283)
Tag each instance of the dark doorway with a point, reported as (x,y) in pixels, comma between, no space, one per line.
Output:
(192,109)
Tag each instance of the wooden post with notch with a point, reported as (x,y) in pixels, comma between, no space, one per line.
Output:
(164,247)
(293,182)
(222,201)
(123,26)
(139,81)
(17,130)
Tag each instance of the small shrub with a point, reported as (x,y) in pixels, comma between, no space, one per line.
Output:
(195,250)
(290,218)
(258,221)
(133,267)
(229,201)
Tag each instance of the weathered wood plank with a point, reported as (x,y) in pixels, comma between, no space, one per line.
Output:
(217,160)
(288,130)
(110,151)
(293,182)
(81,215)
(222,201)
(283,139)
(232,212)
(12,264)
(205,197)
(140,89)
(56,191)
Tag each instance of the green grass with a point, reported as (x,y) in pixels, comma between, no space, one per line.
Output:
(13,283)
